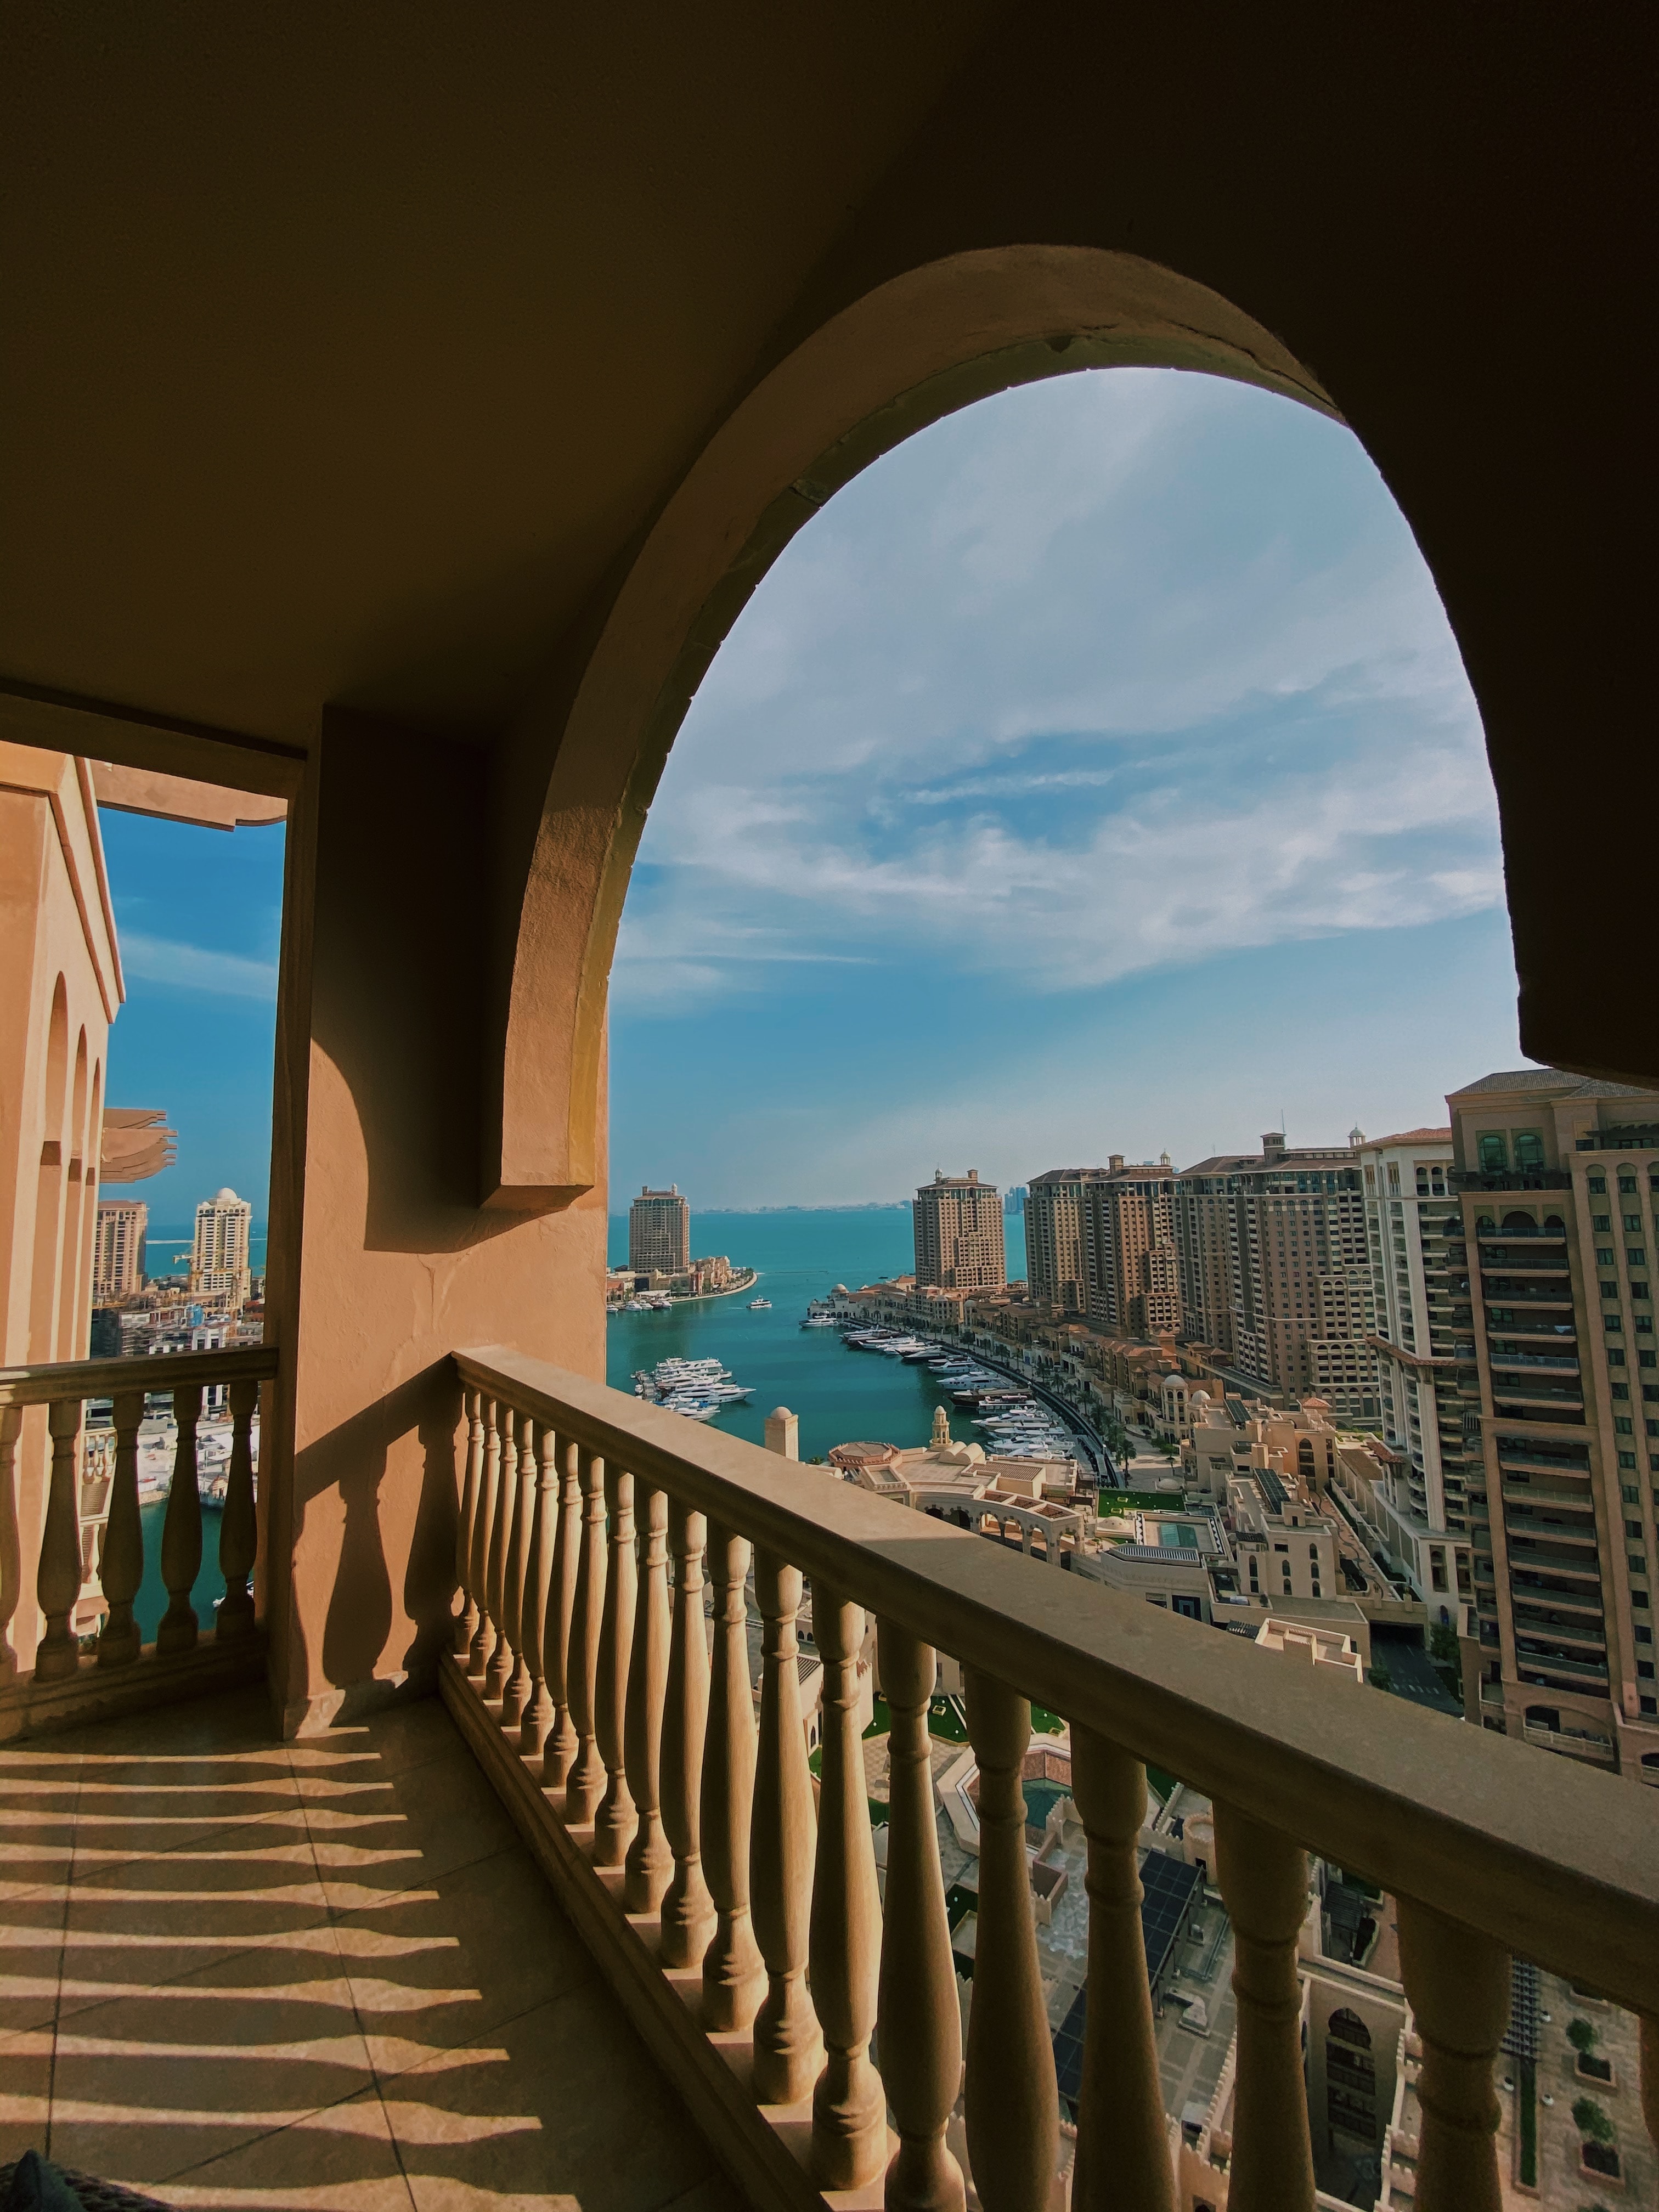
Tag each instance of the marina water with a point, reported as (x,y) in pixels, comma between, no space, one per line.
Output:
(801,1254)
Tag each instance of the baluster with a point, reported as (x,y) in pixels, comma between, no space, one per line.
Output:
(687,1911)
(478,1656)
(181,1531)
(849,2111)
(123,1562)
(1649,2070)
(733,1977)
(537,1720)
(506,1492)
(788,2047)
(919,2021)
(466,1619)
(559,1752)
(1264,1878)
(11,1561)
(650,1863)
(1014,2105)
(1458,1984)
(1122,2140)
(58,1582)
(517,1565)
(237,1527)
(585,1782)
(615,1822)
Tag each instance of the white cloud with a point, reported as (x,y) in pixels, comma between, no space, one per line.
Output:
(195,967)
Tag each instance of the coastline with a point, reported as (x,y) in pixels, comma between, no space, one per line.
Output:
(699,1298)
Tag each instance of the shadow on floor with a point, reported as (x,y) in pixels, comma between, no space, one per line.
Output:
(235,1972)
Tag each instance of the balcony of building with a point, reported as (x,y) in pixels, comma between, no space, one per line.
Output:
(402,424)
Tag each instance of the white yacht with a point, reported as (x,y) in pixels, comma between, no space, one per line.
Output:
(760,1305)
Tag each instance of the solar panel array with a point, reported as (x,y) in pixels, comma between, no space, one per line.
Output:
(1168,1885)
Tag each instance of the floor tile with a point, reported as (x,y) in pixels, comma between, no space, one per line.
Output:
(31,1952)
(406,1732)
(339,2159)
(25,2093)
(375,1835)
(148,2085)
(561,2103)
(151,1920)
(441,1966)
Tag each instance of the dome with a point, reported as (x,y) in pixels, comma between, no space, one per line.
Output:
(1200,1397)
(226,1193)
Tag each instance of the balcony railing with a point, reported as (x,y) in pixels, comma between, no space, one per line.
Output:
(72,1541)
(596,1535)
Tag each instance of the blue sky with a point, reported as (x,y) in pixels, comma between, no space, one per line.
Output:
(1096,773)
(199,915)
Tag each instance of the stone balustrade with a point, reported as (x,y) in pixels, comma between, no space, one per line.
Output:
(746,1921)
(52,1568)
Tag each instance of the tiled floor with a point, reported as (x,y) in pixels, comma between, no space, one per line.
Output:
(235,1972)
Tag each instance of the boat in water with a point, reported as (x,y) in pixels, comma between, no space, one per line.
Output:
(760,1305)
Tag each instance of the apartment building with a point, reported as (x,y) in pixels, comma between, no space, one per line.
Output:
(958,1234)
(1428,1385)
(1133,1274)
(1287,1227)
(219,1266)
(659,1232)
(1056,1233)
(118,1252)
(1558,1179)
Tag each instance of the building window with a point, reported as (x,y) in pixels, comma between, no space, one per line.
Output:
(1528,1149)
(1627,1459)
(1598,1184)
(1494,1151)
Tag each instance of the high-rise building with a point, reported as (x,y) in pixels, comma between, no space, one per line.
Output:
(1134,1286)
(1557,1181)
(1056,1262)
(117,1256)
(659,1232)
(219,1263)
(1428,1390)
(1297,1312)
(958,1233)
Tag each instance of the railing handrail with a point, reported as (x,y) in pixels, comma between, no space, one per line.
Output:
(55,1381)
(1559,1867)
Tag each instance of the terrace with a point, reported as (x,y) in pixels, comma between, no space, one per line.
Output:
(400,425)
(358,1957)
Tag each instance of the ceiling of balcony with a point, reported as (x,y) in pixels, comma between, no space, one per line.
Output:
(346,348)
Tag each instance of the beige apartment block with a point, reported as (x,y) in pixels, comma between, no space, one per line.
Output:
(1056,1237)
(659,1232)
(960,1234)
(117,1264)
(1129,1247)
(219,1267)
(1286,1226)
(1558,1179)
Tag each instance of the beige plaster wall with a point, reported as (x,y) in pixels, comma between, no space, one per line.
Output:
(57,948)
(390,1262)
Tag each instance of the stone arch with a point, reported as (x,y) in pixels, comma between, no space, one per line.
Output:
(914,350)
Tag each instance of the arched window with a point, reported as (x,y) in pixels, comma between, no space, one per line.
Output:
(1348,2027)
(1528,1151)
(1513,1220)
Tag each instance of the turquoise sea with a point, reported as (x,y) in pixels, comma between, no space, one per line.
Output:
(840,1395)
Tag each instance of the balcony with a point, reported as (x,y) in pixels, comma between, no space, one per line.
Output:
(1555,1362)
(577,1927)
(1575,1743)
(1519,1232)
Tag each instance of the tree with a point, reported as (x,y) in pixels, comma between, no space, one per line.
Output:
(1442,1644)
(1591,2122)
(1581,2036)
(1381,1678)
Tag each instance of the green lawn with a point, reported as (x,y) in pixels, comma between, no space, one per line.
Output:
(943,1721)
(1045,1722)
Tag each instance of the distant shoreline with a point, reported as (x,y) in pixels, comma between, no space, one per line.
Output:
(695,1298)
